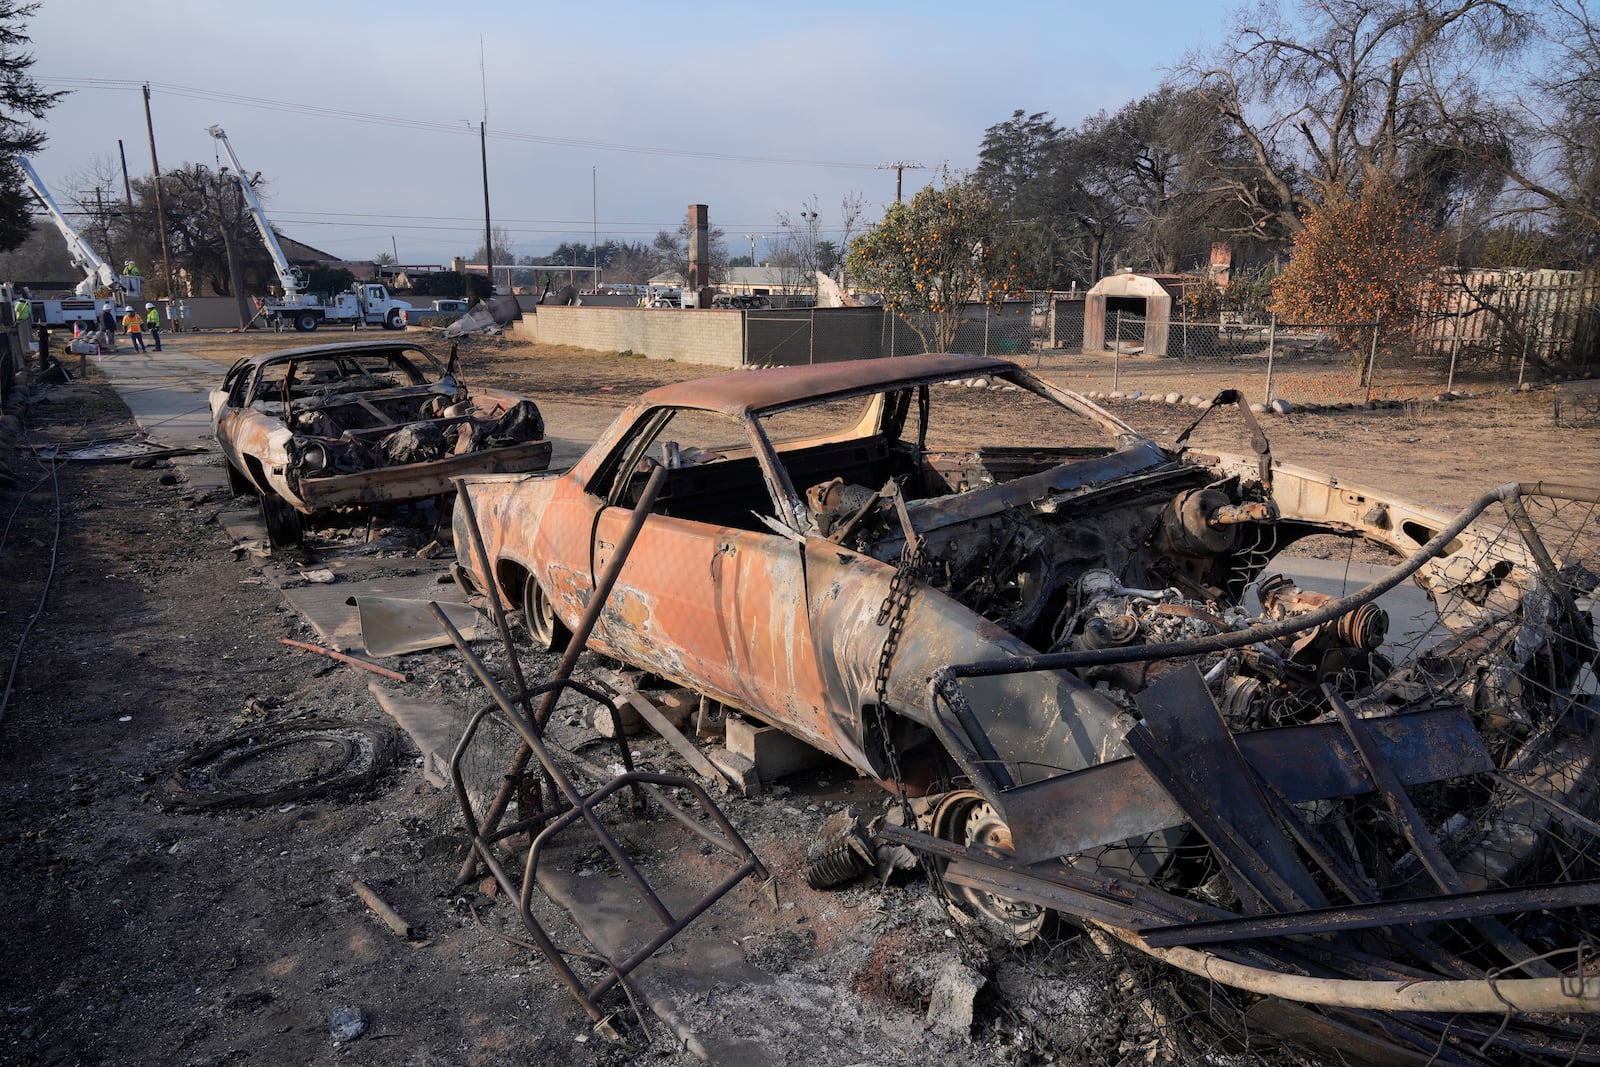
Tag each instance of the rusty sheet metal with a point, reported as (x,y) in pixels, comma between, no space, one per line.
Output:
(1119,800)
(415,481)
(1186,744)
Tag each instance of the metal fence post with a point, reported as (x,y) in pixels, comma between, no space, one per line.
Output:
(987,315)
(1372,354)
(1455,347)
(1116,354)
(1272,341)
(1522,368)
(811,357)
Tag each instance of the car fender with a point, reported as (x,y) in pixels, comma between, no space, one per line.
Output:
(1040,723)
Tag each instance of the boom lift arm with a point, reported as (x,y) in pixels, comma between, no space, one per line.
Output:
(96,273)
(292,280)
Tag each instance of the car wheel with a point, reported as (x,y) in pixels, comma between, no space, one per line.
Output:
(305,322)
(237,482)
(539,617)
(284,529)
(966,818)
(392,321)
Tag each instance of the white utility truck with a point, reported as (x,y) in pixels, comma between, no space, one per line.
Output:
(99,280)
(367,304)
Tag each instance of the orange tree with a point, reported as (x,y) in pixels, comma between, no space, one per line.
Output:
(1361,257)
(931,257)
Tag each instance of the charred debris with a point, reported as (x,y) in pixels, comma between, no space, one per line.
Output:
(1384,844)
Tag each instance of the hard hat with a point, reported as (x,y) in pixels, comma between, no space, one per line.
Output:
(128,308)
(147,306)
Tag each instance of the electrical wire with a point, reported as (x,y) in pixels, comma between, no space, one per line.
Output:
(459,128)
(49,578)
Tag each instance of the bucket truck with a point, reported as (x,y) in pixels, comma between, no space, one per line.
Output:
(366,304)
(98,277)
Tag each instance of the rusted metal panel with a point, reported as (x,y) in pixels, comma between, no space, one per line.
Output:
(1118,800)
(417,480)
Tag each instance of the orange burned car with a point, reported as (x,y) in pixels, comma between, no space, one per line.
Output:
(371,422)
(1068,646)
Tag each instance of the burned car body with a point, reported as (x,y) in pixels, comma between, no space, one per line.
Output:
(1051,652)
(322,427)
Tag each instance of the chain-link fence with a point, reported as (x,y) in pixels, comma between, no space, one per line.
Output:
(801,336)
(1305,363)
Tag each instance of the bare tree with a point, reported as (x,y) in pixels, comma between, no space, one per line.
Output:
(1548,155)
(1344,91)
(796,253)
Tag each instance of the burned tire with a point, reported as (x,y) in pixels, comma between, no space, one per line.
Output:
(305,322)
(237,482)
(547,631)
(275,763)
(284,528)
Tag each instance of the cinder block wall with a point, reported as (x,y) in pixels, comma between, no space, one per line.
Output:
(712,337)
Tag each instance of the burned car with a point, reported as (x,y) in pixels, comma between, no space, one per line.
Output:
(1075,657)
(324,427)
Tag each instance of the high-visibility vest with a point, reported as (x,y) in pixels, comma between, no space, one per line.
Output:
(131,322)
(153,318)
(23,310)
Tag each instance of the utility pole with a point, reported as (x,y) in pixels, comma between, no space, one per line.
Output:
(900,166)
(488,232)
(161,215)
(753,237)
(127,186)
(594,219)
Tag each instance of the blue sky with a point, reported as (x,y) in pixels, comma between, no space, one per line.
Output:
(363,117)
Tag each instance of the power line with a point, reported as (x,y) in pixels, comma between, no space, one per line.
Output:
(369,119)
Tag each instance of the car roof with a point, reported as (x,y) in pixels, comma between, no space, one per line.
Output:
(776,387)
(351,348)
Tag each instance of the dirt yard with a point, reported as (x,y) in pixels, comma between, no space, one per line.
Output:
(136,633)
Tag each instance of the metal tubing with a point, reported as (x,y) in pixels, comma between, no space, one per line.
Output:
(532,739)
(519,762)
(481,552)
(1385,913)
(602,589)
(548,947)
(1491,996)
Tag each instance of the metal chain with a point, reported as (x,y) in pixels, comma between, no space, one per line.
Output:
(896,606)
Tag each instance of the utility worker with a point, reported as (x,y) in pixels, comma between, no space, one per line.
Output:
(131,267)
(152,322)
(133,323)
(23,311)
(108,330)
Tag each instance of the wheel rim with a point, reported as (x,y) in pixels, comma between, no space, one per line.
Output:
(969,819)
(540,618)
